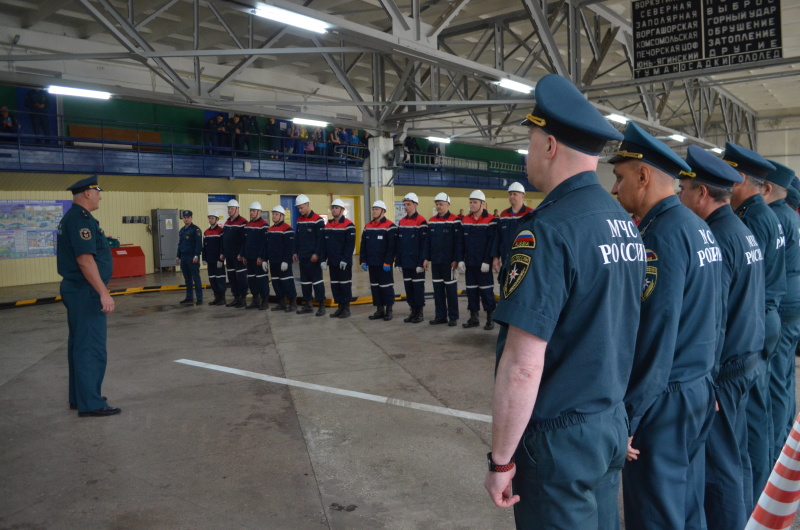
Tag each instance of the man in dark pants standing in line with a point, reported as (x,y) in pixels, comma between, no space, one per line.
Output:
(309,251)
(507,224)
(340,241)
(480,231)
(84,261)
(728,480)
(190,245)
(280,246)
(412,236)
(378,246)
(212,245)
(254,256)
(232,237)
(442,253)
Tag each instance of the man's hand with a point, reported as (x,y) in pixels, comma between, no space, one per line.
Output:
(323,265)
(107,303)
(426,265)
(243,260)
(259,261)
(177,261)
(284,266)
(484,268)
(343,265)
(194,260)
(294,258)
(633,454)
(462,267)
(496,264)
(221,258)
(499,487)
(314,258)
(219,264)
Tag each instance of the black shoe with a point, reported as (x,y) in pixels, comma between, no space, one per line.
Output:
(215,301)
(264,304)
(338,311)
(419,318)
(234,302)
(437,321)
(453,322)
(473,321)
(105,411)
(74,406)
(222,301)
(412,316)
(255,302)
(345,311)
(388,316)
(280,307)
(321,310)
(292,307)
(377,314)
(308,308)
(199,302)
(242,302)
(489,321)
(186,301)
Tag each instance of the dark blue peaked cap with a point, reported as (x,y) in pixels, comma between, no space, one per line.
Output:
(782,176)
(710,169)
(641,145)
(793,198)
(796,183)
(561,110)
(89,183)
(747,161)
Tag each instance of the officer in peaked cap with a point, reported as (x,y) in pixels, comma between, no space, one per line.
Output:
(782,377)
(578,239)
(728,484)
(190,246)
(793,194)
(84,261)
(748,203)
(670,396)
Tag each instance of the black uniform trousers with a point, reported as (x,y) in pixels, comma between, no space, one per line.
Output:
(86,347)
(191,277)
(480,288)
(282,282)
(237,275)
(341,283)
(257,279)
(415,287)
(445,291)
(311,277)
(216,277)
(381,283)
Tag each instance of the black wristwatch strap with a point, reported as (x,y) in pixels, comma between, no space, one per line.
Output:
(499,468)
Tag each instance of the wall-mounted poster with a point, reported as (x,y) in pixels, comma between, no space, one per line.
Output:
(28,229)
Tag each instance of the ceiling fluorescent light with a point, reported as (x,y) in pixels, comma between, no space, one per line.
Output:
(67,91)
(677,137)
(717,150)
(619,118)
(292,19)
(313,123)
(522,151)
(513,85)
(437,139)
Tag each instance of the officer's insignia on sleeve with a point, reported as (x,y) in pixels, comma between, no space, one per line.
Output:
(651,275)
(741,212)
(517,267)
(86,234)
(524,239)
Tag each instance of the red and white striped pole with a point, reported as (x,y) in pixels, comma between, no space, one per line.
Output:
(778,502)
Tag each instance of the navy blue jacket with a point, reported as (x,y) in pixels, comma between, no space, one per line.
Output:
(232,237)
(212,244)
(280,243)
(507,225)
(445,242)
(340,241)
(190,242)
(479,238)
(378,243)
(255,240)
(412,237)
(310,237)
(790,222)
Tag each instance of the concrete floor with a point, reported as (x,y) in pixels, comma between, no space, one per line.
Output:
(201,448)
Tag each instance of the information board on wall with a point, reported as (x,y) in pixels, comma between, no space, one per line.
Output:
(673,36)
(29,229)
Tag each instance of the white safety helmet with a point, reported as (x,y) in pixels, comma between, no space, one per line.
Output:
(301,199)
(255,205)
(379,204)
(442,197)
(233,202)
(279,209)
(212,213)
(516,186)
(477,194)
(411,197)
(338,202)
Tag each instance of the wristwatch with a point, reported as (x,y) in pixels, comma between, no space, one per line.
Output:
(494,468)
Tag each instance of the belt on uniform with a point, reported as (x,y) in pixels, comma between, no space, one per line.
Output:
(678,386)
(738,367)
(567,419)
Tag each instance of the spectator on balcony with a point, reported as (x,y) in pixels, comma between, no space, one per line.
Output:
(315,137)
(298,136)
(412,147)
(9,128)
(353,142)
(38,102)
(216,134)
(365,144)
(273,134)
(236,131)
(335,145)
(251,130)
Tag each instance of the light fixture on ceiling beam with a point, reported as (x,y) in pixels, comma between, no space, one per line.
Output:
(516,87)
(677,137)
(80,92)
(439,140)
(522,151)
(717,150)
(618,118)
(290,18)
(312,123)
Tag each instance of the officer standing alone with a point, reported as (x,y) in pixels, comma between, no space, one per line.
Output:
(84,261)
(378,247)
(232,237)
(442,253)
(480,231)
(412,237)
(280,246)
(190,245)
(340,242)
(212,248)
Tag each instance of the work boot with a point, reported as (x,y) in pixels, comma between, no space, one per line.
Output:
(221,300)
(453,322)
(307,308)
(437,321)
(234,302)
(388,316)
(255,302)
(280,307)
(186,301)
(419,318)
(473,321)
(345,311)
(378,314)
(214,301)
(264,304)
(320,310)
(338,311)
(412,316)
(292,306)
(242,301)
(489,322)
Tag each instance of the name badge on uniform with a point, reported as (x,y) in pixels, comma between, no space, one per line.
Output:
(517,268)
(380,237)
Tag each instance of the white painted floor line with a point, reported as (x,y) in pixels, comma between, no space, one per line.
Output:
(349,393)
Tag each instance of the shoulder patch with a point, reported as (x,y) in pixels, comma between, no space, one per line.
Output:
(651,275)
(86,234)
(517,268)
(524,239)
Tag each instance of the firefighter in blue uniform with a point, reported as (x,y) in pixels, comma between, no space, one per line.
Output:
(749,205)
(212,248)
(254,257)
(340,242)
(84,262)
(412,236)
(480,230)
(441,255)
(707,192)
(232,236)
(378,247)
(564,352)
(190,245)
(782,369)
(280,246)
(793,194)
(670,397)
(309,251)
(507,224)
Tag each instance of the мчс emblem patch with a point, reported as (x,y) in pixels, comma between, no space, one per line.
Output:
(651,275)
(517,267)
(524,239)
(86,234)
